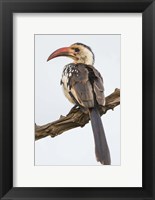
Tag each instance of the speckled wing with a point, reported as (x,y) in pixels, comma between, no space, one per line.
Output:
(86,84)
(81,87)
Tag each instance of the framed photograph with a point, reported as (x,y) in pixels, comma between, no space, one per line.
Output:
(47,99)
(77,99)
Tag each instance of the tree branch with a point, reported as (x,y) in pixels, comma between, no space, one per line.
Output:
(75,118)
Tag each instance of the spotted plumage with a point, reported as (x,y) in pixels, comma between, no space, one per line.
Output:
(83,76)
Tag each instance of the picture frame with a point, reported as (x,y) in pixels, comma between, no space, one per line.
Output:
(7,8)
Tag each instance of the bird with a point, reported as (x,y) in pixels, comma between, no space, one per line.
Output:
(83,86)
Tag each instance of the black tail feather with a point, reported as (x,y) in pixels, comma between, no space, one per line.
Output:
(101,146)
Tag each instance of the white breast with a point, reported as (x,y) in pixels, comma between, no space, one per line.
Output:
(65,87)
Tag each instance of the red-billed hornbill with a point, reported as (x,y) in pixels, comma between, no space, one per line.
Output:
(83,86)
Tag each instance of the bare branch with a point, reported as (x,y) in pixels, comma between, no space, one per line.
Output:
(75,118)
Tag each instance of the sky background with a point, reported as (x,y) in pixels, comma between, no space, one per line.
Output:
(74,147)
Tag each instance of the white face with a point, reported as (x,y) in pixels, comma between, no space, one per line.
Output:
(83,54)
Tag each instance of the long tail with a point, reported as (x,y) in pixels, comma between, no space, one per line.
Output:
(101,146)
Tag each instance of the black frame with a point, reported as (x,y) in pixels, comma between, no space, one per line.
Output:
(7,8)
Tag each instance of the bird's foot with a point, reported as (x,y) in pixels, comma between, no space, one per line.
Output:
(74,108)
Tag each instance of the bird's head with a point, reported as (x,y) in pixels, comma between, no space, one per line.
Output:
(79,52)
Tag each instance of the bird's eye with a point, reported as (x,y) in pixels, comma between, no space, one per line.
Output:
(76,49)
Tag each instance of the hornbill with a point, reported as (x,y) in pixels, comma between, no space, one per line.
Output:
(83,86)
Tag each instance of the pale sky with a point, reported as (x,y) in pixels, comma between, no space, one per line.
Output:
(74,147)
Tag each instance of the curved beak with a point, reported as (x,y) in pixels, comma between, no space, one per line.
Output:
(65,51)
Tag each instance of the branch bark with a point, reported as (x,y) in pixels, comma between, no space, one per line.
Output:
(75,118)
